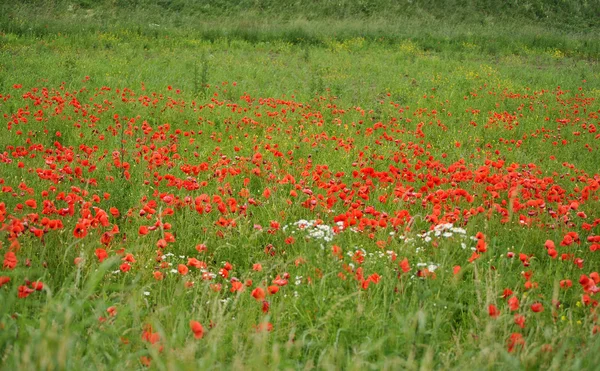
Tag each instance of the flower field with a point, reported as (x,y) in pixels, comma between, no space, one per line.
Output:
(288,206)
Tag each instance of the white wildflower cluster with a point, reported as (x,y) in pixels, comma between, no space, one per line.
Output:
(430,266)
(379,254)
(314,230)
(446,231)
(166,256)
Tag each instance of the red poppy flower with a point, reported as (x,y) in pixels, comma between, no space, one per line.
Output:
(4,280)
(264,327)
(149,336)
(197,329)
(80,230)
(375,278)
(493,311)
(537,307)
(10,260)
(101,254)
(515,341)
(265,306)
(506,293)
(182,269)
(404,265)
(223,272)
(125,267)
(513,303)
(520,320)
(24,291)
(236,286)
(258,293)
(280,281)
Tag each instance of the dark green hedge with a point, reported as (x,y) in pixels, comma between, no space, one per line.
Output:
(583,13)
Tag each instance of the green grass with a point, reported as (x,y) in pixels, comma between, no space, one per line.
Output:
(350,88)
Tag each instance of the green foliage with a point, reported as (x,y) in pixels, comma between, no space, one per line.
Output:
(571,14)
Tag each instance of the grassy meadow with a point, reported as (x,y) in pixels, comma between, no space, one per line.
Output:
(299,185)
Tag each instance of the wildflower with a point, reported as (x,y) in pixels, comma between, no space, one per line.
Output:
(265,306)
(101,255)
(112,311)
(519,320)
(264,327)
(513,303)
(149,336)
(24,291)
(10,260)
(375,278)
(493,311)
(280,281)
(80,230)
(145,361)
(236,286)
(125,267)
(197,329)
(474,257)
(258,293)
(537,307)
(182,269)
(404,265)
(4,280)
(515,341)
(566,284)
